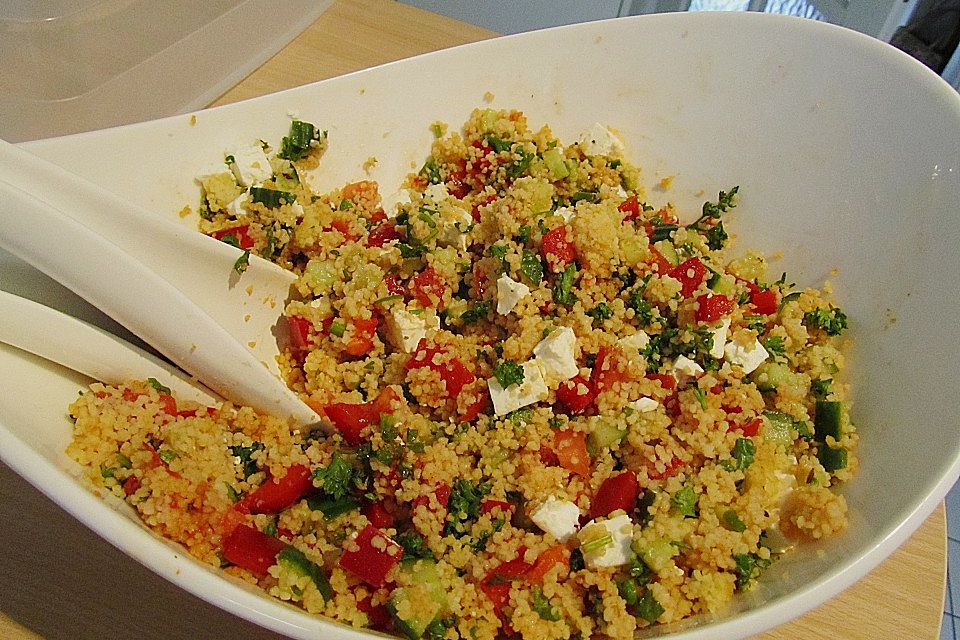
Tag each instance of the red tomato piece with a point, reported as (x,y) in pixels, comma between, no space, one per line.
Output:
(442,491)
(571,448)
(749,429)
(362,341)
(276,494)
(631,207)
(169,404)
(301,333)
(350,419)
(382,234)
(669,383)
(496,585)
(378,516)
(394,285)
(607,370)
(476,408)
(454,373)
(671,468)
(711,307)
(456,183)
(378,617)
(428,286)
(663,265)
(690,273)
(557,249)
(475,211)
(480,281)
(241,233)
(764,301)
(489,505)
(130,485)
(572,398)
(252,550)
(370,556)
(616,492)
(557,554)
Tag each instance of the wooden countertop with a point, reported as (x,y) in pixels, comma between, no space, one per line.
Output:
(59,580)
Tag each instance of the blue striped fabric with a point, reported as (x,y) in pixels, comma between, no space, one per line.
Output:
(803,8)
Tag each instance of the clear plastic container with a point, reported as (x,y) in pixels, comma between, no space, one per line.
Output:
(76,65)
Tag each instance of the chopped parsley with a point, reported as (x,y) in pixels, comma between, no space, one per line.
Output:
(601,312)
(476,312)
(336,478)
(716,236)
(831,320)
(821,388)
(524,234)
(508,372)
(712,210)
(775,345)
(531,267)
(743,452)
(543,607)
(244,456)
(414,546)
(643,310)
(431,171)
(154,383)
(684,502)
(464,505)
(499,251)
(297,145)
(732,521)
(242,263)
(563,288)
(748,567)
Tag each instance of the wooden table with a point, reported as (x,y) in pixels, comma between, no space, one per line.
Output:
(59,580)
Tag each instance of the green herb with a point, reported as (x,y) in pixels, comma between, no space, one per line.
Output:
(232,493)
(629,591)
(790,297)
(499,251)
(648,608)
(244,456)
(531,267)
(338,328)
(107,472)
(576,561)
(748,567)
(508,372)
(333,507)
(662,232)
(524,234)
(167,455)
(587,196)
(684,502)
(345,205)
(732,521)
(518,167)
(701,397)
(499,145)
(384,300)
(242,263)
(270,248)
(743,452)
(716,236)
(831,320)
(775,345)
(431,171)
(643,310)
(297,145)
(556,422)
(601,312)
(542,606)
(427,217)
(639,570)
(597,544)
(336,478)
(563,288)
(712,210)
(411,250)
(481,542)
(271,198)
(437,629)
(464,505)
(153,382)
(271,528)
(414,546)
(756,323)
(476,312)
(821,388)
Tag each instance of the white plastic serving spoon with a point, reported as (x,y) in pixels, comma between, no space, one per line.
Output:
(171,286)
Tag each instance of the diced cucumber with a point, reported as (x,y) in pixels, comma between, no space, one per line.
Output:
(778,429)
(668,251)
(832,459)
(770,375)
(321,275)
(294,561)
(424,599)
(556,164)
(487,119)
(724,285)
(604,436)
(634,250)
(828,416)
(658,554)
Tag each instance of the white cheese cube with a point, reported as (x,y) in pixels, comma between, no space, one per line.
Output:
(685,369)
(250,165)
(455,223)
(567,213)
(236,205)
(644,404)
(633,345)
(532,389)
(555,353)
(435,192)
(559,518)
(749,357)
(394,200)
(600,141)
(405,330)
(509,293)
(720,338)
(615,553)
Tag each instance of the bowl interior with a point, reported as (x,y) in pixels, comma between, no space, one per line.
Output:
(847,154)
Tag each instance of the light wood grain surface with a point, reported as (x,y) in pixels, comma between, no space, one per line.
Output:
(58,580)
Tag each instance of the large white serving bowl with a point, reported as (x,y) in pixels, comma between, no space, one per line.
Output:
(847,153)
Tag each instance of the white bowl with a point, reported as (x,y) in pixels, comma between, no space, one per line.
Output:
(847,153)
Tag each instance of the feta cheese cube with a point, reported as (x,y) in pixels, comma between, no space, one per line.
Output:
(394,200)
(720,338)
(600,141)
(567,213)
(613,554)
(749,357)
(555,353)
(644,404)
(236,205)
(532,389)
(455,222)
(509,293)
(250,165)
(633,345)
(405,330)
(435,192)
(559,518)
(685,369)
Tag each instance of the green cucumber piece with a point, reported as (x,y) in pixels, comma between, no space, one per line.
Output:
(832,459)
(293,560)
(828,417)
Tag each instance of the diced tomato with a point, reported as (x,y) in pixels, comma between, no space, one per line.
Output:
(394,285)
(666,216)
(378,617)
(764,301)
(557,554)
(749,429)
(252,550)
(354,190)
(549,457)
(557,249)
(672,467)
(276,494)
(130,485)
(496,585)
(475,211)
(631,207)
(169,404)
(480,281)
(241,233)
(428,288)
(343,226)
(370,556)
(571,448)
(489,505)
(350,419)
(441,491)
(663,265)
(377,216)
(456,185)
(382,234)
(669,383)
(453,372)
(616,492)
(301,333)
(690,273)
(607,369)
(477,407)
(576,395)
(378,516)
(711,307)
(362,341)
